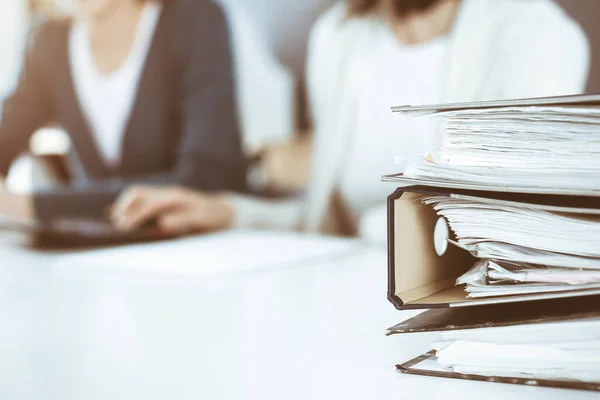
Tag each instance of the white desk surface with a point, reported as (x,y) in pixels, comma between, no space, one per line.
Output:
(313,331)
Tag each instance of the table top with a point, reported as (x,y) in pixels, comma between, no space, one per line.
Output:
(308,330)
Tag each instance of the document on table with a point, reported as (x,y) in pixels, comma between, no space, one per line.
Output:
(215,254)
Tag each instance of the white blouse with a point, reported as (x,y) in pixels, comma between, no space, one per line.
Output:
(393,74)
(107,100)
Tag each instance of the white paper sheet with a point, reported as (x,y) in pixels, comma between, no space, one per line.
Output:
(215,254)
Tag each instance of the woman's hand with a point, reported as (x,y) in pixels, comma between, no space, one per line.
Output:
(15,205)
(286,166)
(175,210)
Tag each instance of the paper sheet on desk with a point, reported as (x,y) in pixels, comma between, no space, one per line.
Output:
(215,254)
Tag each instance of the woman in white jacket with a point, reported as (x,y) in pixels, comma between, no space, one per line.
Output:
(366,55)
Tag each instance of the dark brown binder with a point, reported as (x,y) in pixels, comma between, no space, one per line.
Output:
(491,316)
(419,278)
(500,315)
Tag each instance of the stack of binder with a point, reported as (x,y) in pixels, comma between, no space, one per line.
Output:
(498,236)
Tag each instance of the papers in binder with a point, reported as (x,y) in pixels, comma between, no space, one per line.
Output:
(496,278)
(525,248)
(566,350)
(554,343)
(510,252)
(479,220)
(551,147)
(517,182)
(550,180)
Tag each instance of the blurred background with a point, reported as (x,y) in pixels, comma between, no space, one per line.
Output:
(284,26)
(281,27)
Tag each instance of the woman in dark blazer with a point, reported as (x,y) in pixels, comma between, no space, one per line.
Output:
(145,91)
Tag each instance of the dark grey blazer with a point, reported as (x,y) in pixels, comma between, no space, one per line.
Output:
(183,128)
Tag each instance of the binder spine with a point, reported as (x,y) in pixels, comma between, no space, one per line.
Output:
(396,301)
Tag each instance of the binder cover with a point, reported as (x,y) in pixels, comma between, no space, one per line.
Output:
(465,187)
(425,365)
(500,315)
(570,100)
(419,278)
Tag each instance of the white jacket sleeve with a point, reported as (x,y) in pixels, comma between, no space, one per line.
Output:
(372,227)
